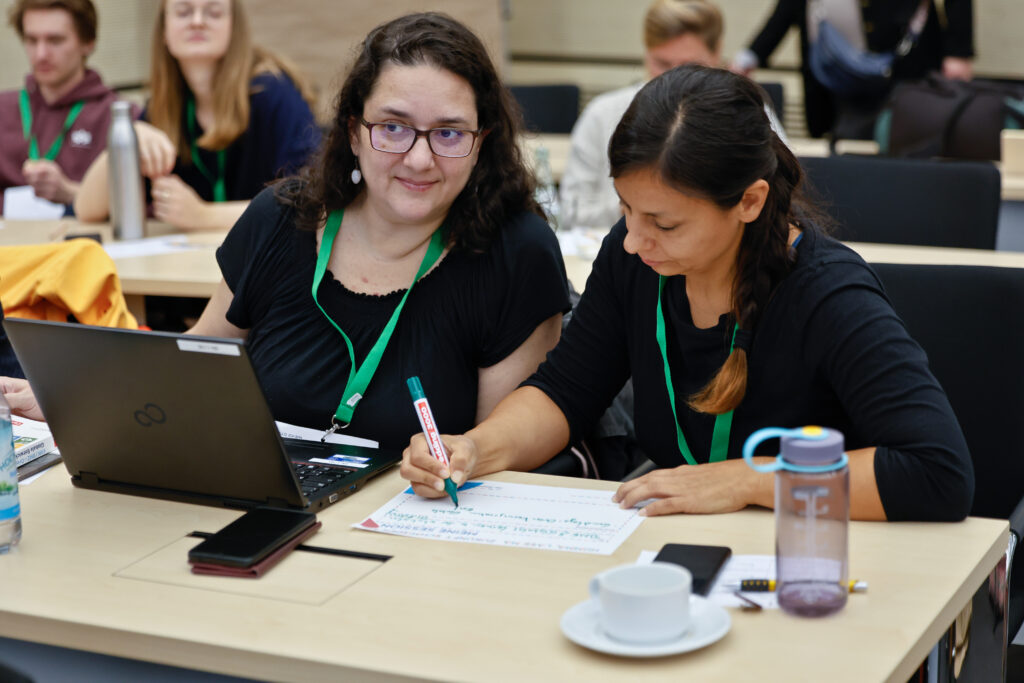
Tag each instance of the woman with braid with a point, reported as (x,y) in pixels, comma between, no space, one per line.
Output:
(731,311)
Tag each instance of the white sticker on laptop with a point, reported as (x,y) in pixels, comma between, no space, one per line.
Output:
(198,346)
(343,460)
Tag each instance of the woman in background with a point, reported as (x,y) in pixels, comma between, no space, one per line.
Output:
(224,119)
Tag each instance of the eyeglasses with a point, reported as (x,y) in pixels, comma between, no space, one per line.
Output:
(395,138)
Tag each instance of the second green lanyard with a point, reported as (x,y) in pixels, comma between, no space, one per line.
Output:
(219,192)
(359,378)
(26,126)
(723,422)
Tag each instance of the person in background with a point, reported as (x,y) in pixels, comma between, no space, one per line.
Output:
(946,44)
(675,32)
(731,311)
(54,128)
(224,118)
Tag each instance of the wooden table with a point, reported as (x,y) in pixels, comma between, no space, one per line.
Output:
(445,611)
(558,147)
(578,267)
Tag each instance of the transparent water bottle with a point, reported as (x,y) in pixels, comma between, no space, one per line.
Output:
(127,199)
(10,509)
(812,515)
(546,195)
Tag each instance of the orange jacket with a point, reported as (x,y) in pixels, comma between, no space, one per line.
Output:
(51,281)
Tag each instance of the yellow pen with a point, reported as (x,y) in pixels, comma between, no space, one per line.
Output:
(767,585)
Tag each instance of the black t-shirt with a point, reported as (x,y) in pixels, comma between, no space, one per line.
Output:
(829,350)
(470,312)
(281,137)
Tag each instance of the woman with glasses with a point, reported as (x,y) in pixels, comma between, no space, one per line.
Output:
(731,311)
(412,246)
(225,118)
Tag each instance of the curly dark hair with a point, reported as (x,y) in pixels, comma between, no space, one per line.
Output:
(705,132)
(500,185)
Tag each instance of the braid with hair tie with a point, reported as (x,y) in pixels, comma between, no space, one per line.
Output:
(764,260)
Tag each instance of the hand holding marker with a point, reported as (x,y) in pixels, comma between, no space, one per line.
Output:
(426,417)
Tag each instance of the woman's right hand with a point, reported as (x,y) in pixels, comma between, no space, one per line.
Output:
(156,153)
(21,398)
(427,475)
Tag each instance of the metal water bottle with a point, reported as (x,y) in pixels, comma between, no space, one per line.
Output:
(10,509)
(127,199)
(812,516)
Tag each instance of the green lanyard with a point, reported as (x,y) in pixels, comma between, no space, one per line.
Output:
(26,127)
(359,378)
(723,422)
(219,193)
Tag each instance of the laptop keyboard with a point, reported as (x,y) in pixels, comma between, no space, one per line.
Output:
(315,478)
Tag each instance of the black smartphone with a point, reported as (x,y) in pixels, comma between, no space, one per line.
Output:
(251,537)
(703,561)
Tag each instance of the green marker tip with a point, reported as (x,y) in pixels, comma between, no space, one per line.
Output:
(450,488)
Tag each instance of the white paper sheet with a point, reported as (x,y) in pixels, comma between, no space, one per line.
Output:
(289,431)
(167,244)
(21,203)
(738,568)
(513,515)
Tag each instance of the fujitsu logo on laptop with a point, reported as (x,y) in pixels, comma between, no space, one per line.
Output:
(150,414)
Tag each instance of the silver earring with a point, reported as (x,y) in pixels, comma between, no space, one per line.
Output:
(356,176)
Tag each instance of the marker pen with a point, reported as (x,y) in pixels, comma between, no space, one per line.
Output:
(426,417)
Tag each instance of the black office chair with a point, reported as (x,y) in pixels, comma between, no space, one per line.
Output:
(548,108)
(776,98)
(908,201)
(970,321)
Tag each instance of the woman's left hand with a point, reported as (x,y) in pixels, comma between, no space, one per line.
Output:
(176,203)
(710,488)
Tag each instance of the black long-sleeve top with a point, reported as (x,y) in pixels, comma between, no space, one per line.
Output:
(828,350)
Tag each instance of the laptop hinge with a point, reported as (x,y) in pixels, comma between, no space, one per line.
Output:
(278,503)
(89,478)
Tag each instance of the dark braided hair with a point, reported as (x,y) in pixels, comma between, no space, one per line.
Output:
(500,184)
(705,132)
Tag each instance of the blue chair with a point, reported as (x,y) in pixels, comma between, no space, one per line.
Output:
(548,108)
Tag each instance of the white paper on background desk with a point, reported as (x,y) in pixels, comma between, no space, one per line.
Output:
(21,203)
(738,568)
(149,246)
(289,431)
(512,515)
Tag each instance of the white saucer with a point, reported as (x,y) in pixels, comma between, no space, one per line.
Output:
(708,623)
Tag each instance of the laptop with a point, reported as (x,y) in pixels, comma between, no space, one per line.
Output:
(178,417)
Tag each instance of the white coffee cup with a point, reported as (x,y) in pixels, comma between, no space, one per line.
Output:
(643,603)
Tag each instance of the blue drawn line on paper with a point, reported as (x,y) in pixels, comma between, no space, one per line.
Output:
(465,487)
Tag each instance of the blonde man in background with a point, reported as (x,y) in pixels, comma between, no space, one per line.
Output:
(676,32)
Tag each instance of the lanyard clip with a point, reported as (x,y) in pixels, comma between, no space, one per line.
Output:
(335,426)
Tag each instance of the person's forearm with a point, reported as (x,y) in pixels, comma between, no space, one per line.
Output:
(525,430)
(217,216)
(92,201)
(68,192)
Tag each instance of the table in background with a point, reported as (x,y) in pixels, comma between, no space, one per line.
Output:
(188,273)
(558,148)
(445,610)
(577,266)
